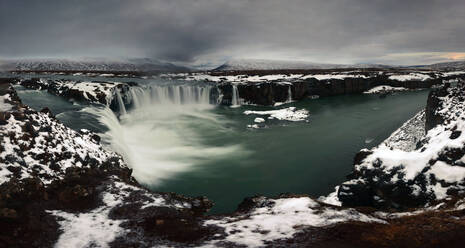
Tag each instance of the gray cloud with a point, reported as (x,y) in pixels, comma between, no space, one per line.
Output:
(194,30)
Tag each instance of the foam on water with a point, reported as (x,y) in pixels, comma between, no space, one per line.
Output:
(160,135)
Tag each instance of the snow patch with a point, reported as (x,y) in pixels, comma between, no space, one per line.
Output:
(384,88)
(282,218)
(288,114)
(410,77)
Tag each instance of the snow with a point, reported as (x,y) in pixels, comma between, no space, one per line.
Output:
(4,106)
(448,173)
(333,76)
(384,88)
(407,136)
(90,90)
(283,78)
(60,138)
(282,218)
(332,198)
(288,114)
(237,79)
(95,228)
(259,120)
(400,155)
(410,76)
(254,126)
(453,73)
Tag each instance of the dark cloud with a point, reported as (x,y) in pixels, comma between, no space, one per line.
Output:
(186,31)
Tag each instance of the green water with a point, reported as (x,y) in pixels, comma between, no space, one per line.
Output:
(299,157)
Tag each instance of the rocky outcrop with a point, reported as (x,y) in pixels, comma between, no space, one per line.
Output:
(90,92)
(389,176)
(269,93)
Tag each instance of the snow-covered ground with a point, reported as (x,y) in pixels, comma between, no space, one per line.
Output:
(96,227)
(281,219)
(238,79)
(410,76)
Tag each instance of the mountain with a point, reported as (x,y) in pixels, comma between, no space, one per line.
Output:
(448,65)
(260,64)
(135,64)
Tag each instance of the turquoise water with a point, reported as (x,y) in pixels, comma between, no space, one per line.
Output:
(310,158)
(210,151)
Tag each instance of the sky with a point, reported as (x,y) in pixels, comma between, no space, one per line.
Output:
(402,32)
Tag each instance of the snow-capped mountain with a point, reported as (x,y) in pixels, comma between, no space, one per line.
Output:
(260,64)
(137,64)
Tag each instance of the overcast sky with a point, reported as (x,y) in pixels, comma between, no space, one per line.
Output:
(197,31)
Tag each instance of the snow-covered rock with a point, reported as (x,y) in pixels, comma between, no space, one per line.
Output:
(273,219)
(288,114)
(411,168)
(410,77)
(384,89)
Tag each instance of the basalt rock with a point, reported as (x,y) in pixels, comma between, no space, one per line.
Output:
(269,93)
(409,179)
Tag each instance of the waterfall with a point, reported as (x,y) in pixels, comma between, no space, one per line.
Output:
(122,108)
(235,96)
(161,135)
(289,94)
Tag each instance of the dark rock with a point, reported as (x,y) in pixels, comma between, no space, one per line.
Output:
(46,111)
(455,134)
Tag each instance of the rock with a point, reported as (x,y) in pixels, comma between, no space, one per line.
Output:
(408,180)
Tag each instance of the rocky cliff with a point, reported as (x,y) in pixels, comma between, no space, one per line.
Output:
(392,176)
(269,93)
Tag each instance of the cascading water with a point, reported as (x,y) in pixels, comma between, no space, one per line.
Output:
(122,108)
(235,102)
(289,94)
(161,134)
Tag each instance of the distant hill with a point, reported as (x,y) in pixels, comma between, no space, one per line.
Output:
(455,65)
(137,65)
(259,64)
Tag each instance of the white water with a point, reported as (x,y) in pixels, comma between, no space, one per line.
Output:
(235,100)
(122,108)
(289,94)
(160,136)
